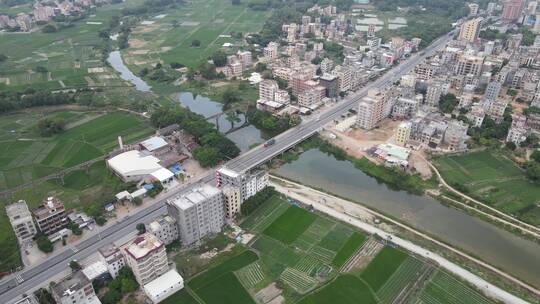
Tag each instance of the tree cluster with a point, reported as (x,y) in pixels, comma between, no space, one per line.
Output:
(448,103)
(123,284)
(50,126)
(268,122)
(252,203)
(214,146)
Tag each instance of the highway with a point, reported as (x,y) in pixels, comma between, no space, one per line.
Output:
(33,277)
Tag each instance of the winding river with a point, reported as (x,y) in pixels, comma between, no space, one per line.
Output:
(243,137)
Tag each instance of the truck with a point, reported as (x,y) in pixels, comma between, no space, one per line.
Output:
(269,143)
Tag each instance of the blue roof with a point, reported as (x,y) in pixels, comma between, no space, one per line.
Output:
(175,168)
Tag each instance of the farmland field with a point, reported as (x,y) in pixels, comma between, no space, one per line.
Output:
(26,156)
(382,267)
(290,225)
(495,180)
(167,37)
(303,266)
(71,56)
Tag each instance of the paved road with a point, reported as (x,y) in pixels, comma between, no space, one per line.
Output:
(33,277)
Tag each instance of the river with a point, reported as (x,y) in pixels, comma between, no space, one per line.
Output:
(496,246)
(243,138)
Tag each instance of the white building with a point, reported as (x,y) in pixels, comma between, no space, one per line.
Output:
(112,258)
(146,256)
(164,286)
(74,289)
(403,133)
(133,165)
(21,221)
(165,228)
(198,213)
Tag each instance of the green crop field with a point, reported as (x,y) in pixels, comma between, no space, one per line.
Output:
(182,296)
(304,267)
(354,242)
(69,56)
(290,225)
(444,288)
(168,38)
(495,180)
(346,289)
(26,156)
(382,267)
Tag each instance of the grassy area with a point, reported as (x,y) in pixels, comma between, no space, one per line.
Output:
(494,179)
(304,267)
(183,296)
(290,225)
(382,267)
(70,56)
(349,248)
(346,289)
(26,156)
(168,39)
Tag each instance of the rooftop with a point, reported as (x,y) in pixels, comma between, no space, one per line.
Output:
(70,284)
(134,163)
(194,197)
(162,284)
(108,250)
(154,143)
(142,245)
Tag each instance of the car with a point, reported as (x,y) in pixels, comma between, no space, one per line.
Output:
(269,143)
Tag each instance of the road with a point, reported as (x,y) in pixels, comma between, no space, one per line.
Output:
(33,277)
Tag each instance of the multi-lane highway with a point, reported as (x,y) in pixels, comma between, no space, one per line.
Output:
(29,279)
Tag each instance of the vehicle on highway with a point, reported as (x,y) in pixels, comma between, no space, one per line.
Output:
(269,143)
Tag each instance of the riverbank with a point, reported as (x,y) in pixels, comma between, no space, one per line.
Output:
(362,217)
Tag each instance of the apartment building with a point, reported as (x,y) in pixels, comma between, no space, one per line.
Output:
(492,91)
(433,95)
(238,187)
(21,221)
(403,133)
(233,200)
(146,256)
(74,289)
(370,112)
(271,51)
(50,216)
(512,10)
(198,213)
(113,258)
(469,64)
(456,135)
(164,228)
(473,9)
(268,89)
(469,30)
(309,98)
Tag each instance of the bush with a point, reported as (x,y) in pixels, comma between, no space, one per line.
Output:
(49,28)
(44,244)
(195,43)
(41,69)
(219,58)
(252,203)
(51,126)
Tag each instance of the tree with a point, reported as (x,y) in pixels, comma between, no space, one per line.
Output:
(232,117)
(536,156)
(229,97)
(49,28)
(50,126)
(511,146)
(141,228)
(44,244)
(111,297)
(74,265)
(74,228)
(533,172)
(129,285)
(448,103)
(235,2)
(208,71)
(207,156)
(195,43)
(41,69)
(219,58)
(137,201)
(260,67)
(3,57)
(176,65)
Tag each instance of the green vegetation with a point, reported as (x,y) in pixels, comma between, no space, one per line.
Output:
(270,123)
(9,248)
(120,286)
(290,225)
(254,202)
(345,289)
(44,244)
(448,103)
(382,267)
(445,289)
(354,242)
(495,180)
(214,146)
(182,296)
